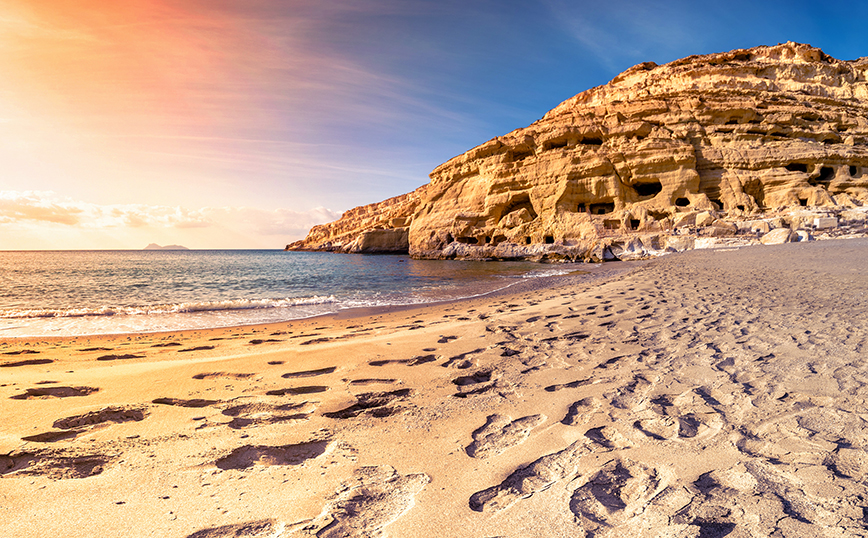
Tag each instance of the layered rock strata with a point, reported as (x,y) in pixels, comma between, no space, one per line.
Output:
(698,146)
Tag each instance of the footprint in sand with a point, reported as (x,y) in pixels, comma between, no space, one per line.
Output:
(53,465)
(295,391)
(78,424)
(571,385)
(446,339)
(581,411)
(125,356)
(461,362)
(294,454)
(310,373)
(375,404)
(193,403)
(167,344)
(499,433)
(21,352)
(524,482)
(198,348)
(362,382)
(374,498)
(616,494)
(227,375)
(266,528)
(415,361)
(29,362)
(55,392)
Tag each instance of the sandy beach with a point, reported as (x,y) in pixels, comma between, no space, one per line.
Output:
(705,394)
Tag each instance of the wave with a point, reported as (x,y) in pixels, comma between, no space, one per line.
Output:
(179,308)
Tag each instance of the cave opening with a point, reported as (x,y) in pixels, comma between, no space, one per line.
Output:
(797,167)
(467,240)
(803,201)
(755,189)
(521,201)
(555,144)
(527,240)
(449,238)
(634,224)
(682,202)
(740,207)
(518,155)
(827,174)
(853,171)
(581,208)
(602,209)
(611,224)
(549,240)
(648,189)
(716,203)
(592,141)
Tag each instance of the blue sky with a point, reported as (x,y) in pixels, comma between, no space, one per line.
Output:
(225,124)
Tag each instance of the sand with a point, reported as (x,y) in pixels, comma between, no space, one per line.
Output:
(706,394)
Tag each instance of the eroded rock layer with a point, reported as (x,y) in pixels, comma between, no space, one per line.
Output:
(694,146)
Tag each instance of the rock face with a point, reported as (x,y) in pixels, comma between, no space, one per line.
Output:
(696,147)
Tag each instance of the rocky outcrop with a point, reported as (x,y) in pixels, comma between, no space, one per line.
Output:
(697,146)
(373,228)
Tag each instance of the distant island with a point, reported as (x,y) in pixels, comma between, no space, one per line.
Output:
(154,246)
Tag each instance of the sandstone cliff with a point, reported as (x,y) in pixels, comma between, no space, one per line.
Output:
(694,147)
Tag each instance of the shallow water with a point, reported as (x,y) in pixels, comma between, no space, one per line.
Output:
(63,293)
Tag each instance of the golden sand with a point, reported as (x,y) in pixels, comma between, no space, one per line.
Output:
(706,394)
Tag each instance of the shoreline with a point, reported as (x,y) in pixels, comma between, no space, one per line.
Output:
(594,272)
(709,391)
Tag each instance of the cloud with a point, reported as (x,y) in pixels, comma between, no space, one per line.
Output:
(39,212)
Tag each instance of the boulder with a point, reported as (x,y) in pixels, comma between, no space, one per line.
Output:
(777,236)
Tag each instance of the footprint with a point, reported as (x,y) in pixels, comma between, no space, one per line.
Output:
(580,412)
(310,373)
(55,392)
(21,352)
(119,357)
(228,375)
(357,382)
(620,491)
(632,396)
(295,454)
(524,482)
(409,362)
(446,339)
(265,528)
(29,362)
(499,433)
(79,423)
(376,404)
(262,413)
(608,437)
(53,465)
(194,403)
(571,385)
(460,361)
(108,414)
(167,344)
(374,498)
(482,376)
(257,341)
(199,348)
(295,391)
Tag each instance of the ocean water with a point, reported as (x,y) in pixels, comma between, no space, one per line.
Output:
(65,293)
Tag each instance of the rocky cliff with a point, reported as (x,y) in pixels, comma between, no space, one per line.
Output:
(691,148)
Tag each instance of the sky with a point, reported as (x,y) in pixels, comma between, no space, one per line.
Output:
(241,124)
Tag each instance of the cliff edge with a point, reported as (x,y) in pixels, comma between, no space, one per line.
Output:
(775,137)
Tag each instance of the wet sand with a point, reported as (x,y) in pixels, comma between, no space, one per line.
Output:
(706,394)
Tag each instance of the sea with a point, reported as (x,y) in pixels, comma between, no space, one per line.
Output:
(72,293)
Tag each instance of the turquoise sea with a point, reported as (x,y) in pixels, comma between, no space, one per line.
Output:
(64,293)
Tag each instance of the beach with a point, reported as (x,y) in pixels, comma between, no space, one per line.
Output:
(709,393)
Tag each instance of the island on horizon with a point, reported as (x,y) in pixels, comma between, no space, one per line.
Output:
(154,246)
